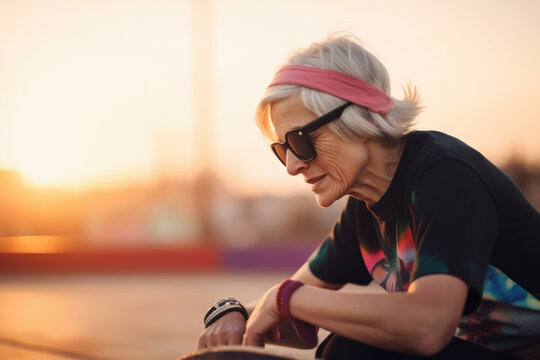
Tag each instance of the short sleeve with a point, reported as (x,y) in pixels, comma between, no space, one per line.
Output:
(338,259)
(455,224)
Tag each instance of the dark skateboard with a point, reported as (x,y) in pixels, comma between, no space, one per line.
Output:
(240,353)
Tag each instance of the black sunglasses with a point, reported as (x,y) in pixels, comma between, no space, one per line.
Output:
(299,142)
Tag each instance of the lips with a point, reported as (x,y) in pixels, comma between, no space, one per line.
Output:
(315,181)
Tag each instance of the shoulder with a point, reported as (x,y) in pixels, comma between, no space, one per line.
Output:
(442,158)
(428,147)
(450,179)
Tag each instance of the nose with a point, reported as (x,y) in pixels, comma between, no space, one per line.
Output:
(294,164)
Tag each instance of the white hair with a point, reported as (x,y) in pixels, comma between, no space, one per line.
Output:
(345,54)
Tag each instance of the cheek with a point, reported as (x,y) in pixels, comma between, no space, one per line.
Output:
(328,156)
(343,161)
(326,150)
(356,156)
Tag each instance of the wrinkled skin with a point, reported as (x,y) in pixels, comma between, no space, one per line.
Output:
(228,330)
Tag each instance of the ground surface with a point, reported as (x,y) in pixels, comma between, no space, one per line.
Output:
(113,317)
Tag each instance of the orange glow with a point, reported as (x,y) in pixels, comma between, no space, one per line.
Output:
(34,244)
(87,91)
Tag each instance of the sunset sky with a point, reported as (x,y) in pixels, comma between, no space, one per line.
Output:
(98,92)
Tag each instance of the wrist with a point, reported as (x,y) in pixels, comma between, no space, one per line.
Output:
(223,307)
(306,332)
(283,297)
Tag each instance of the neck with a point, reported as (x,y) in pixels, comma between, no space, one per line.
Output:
(375,178)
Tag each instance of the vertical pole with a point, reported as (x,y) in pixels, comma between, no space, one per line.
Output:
(202,80)
(202,110)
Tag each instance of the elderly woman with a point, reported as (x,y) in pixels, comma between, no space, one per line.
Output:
(449,236)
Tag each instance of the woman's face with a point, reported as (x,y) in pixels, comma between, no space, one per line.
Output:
(338,165)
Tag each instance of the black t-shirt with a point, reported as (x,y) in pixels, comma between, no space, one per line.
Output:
(448,210)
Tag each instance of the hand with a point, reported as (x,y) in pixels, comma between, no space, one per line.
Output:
(264,321)
(228,330)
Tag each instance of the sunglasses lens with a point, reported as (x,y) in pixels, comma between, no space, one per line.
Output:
(280,151)
(301,146)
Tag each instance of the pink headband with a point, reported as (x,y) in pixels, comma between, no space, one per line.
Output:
(346,87)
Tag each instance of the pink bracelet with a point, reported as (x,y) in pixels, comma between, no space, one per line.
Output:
(307,333)
(283,296)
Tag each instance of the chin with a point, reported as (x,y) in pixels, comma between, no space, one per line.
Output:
(329,196)
(324,201)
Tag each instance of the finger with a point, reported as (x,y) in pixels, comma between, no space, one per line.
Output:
(274,335)
(210,342)
(235,340)
(201,344)
(224,339)
(253,340)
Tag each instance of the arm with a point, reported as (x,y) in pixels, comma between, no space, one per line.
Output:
(422,320)
(229,329)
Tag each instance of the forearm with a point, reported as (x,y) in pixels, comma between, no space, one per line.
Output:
(403,322)
(369,318)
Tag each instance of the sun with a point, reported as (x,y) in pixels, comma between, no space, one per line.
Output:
(51,164)
(47,152)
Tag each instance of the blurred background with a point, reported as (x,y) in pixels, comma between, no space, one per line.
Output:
(135,188)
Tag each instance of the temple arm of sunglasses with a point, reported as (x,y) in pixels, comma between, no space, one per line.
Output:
(326,118)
